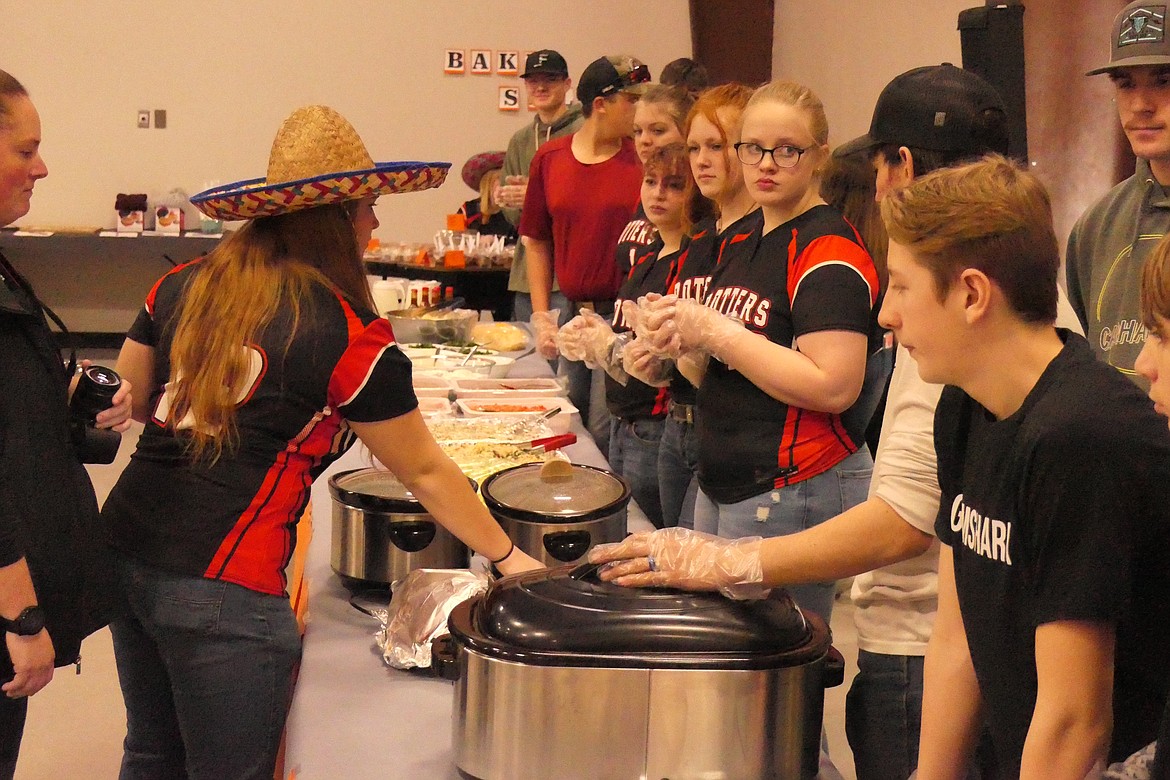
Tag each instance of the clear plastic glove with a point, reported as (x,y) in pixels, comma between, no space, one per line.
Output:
(674,326)
(544,327)
(649,369)
(587,337)
(681,558)
(510,194)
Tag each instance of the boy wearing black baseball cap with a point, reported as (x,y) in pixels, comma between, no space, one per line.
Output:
(1110,242)
(581,192)
(546,79)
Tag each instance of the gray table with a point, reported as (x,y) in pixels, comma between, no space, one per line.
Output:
(352,716)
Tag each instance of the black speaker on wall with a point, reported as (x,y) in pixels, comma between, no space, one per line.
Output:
(992,38)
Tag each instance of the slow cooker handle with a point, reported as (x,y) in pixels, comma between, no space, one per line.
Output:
(411,536)
(567,545)
(833,671)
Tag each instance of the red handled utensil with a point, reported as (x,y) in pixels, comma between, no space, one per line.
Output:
(550,443)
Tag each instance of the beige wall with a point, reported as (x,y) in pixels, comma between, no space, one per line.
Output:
(228,72)
(847,50)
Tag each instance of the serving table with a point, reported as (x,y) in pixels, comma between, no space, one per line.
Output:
(354,717)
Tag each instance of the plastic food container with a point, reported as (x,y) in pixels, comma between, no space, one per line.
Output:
(519,408)
(434,407)
(438,327)
(431,386)
(535,387)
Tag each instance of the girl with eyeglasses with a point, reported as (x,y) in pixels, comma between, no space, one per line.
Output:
(712,126)
(778,346)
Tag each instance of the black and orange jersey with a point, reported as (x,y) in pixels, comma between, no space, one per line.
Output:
(649,273)
(235,519)
(810,274)
(693,270)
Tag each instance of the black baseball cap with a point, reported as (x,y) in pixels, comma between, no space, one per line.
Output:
(1139,38)
(606,76)
(938,107)
(545,61)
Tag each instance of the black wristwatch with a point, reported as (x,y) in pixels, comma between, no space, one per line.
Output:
(27,623)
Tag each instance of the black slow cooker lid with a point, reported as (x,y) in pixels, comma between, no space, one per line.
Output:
(567,616)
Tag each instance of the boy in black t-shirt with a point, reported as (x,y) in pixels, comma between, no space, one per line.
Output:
(1053,621)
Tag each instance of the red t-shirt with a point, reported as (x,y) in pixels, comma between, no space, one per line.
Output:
(582,210)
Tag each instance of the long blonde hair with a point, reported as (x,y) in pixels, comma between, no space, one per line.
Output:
(268,266)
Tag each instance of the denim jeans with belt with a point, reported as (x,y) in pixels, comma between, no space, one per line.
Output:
(789,510)
(633,453)
(206,669)
(678,465)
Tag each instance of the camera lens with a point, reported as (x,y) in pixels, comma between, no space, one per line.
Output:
(95,390)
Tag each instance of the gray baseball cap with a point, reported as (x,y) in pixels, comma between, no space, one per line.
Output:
(1139,38)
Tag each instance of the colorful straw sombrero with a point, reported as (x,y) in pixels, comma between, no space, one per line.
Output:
(475,168)
(317,158)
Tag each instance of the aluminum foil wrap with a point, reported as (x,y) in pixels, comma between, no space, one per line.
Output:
(418,612)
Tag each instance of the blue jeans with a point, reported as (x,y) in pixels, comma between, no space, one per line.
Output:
(678,465)
(633,453)
(206,669)
(883,714)
(789,510)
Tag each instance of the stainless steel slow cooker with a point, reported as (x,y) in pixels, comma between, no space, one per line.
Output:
(381,532)
(556,520)
(564,677)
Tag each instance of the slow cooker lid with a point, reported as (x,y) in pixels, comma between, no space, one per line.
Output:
(568,616)
(374,489)
(586,491)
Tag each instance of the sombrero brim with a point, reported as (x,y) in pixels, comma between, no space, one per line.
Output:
(258,198)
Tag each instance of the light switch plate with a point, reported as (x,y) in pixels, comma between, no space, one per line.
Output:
(160,118)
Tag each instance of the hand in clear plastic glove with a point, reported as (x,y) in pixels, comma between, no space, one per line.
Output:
(680,558)
(678,325)
(642,364)
(544,327)
(587,337)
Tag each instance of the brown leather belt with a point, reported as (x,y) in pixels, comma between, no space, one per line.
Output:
(683,413)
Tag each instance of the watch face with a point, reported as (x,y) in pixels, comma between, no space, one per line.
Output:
(28,622)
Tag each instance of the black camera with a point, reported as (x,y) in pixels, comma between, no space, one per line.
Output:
(94,392)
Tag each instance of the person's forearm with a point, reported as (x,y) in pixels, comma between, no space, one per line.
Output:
(865,537)
(951,700)
(951,707)
(791,376)
(443,489)
(1072,719)
(538,256)
(16,589)
(1064,748)
(693,367)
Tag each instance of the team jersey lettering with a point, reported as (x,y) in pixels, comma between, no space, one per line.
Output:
(741,304)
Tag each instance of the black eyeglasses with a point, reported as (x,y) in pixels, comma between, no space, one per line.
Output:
(785,155)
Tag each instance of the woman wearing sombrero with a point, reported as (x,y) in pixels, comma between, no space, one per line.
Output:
(483,214)
(258,364)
